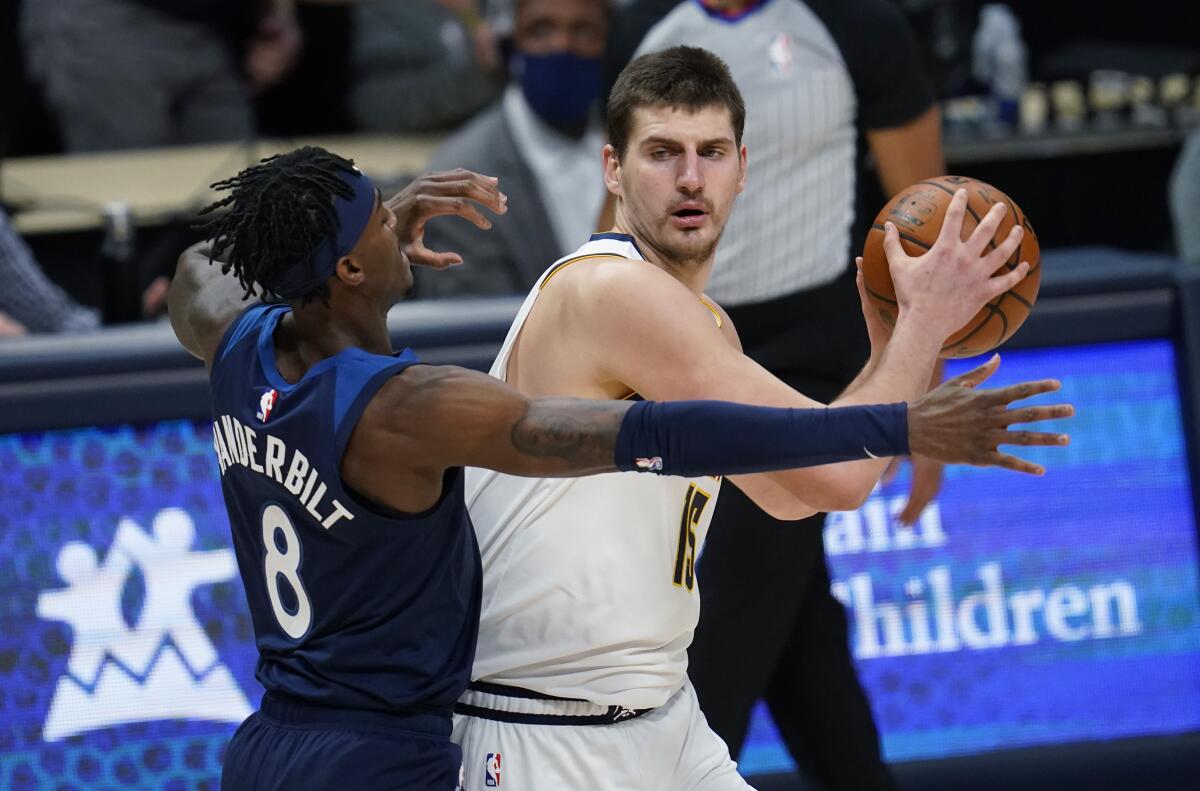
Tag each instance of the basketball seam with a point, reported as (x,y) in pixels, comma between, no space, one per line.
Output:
(877,227)
(991,312)
(1019,298)
(880,297)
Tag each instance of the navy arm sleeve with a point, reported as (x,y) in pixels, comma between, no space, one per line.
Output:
(719,438)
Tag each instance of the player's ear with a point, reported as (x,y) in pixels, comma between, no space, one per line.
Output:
(349,272)
(612,169)
(741,183)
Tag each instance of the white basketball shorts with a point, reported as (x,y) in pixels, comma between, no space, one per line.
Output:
(670,748)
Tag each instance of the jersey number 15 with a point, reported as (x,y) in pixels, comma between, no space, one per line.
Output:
(685,557)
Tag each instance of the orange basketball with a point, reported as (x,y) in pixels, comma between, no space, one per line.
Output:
(917,213)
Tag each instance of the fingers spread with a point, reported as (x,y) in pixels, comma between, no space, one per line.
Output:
(1006,395)
(952,222)
(1033,438)
(1004,251)
(1032,414)
(891,244)
(457,174)
(429,206)
(927,480)
(483,193)
(997,459)
(977,376)
(420,255)
(986,229)
(1002,283)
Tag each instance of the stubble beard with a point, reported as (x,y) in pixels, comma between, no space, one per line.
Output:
(681,256)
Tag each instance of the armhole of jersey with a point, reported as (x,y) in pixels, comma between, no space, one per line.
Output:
(345,426)
(242,325)
(345,422)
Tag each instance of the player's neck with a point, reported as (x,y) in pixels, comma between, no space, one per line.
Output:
(316,331)
(692,273)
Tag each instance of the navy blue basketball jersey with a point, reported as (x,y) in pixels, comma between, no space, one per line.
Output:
(353,605)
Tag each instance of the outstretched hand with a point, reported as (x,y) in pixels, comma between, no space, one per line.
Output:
(957,423)
(456,192)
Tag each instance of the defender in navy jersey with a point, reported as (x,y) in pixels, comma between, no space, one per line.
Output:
(341,464)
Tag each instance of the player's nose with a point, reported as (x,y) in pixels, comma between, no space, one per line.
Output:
(689,178)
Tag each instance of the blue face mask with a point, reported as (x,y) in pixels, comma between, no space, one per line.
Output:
(560,87)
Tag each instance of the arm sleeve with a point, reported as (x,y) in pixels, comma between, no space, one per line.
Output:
(720,438)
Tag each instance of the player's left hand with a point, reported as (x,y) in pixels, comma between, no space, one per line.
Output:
(926,483)
(877,331)
(450,192)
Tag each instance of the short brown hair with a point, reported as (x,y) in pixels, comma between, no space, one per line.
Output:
(690,78)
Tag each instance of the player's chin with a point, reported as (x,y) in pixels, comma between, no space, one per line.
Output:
(403,284)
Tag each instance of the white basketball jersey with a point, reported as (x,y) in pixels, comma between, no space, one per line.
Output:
(589,585)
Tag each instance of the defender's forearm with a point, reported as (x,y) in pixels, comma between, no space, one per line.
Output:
(701,437)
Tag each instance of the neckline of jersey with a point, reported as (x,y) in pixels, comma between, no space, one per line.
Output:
(620,237)
(266,354)
(734,17)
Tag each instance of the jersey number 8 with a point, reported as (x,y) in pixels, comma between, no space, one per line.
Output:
(282,565)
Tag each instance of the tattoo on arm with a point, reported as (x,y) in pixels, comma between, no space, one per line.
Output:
(581,433)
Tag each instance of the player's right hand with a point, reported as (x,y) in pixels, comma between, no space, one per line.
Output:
(953,280)
(456,192)
(957,423)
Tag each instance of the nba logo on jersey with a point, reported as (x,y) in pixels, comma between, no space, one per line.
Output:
(779,53)
(266,404)
(161,667)
(491,770)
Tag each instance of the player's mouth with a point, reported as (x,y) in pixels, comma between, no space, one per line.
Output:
(692,214)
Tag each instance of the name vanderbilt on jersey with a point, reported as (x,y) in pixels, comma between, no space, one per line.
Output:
(353,606)
(235,443)
(589,583)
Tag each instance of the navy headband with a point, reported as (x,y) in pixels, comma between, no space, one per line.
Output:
(353,214)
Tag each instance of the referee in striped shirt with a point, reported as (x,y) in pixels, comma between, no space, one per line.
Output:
(825,81)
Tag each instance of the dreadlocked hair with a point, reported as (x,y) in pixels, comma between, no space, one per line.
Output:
(279,212)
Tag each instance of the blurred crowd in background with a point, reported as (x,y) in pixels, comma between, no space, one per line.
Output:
(524,79)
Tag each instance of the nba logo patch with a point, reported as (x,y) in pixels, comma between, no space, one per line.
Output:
(779,54)
(266,404)
(491,770)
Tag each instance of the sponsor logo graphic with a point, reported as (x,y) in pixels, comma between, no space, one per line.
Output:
(491,770)
(162,667)
(653,464)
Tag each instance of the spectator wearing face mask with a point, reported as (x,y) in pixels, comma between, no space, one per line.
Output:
(543,140)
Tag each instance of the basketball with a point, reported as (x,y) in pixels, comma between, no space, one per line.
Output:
(917,213)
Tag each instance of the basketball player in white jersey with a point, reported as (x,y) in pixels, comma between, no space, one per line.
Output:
(590,595)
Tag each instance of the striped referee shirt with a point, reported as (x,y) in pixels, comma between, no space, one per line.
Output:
(813,73)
